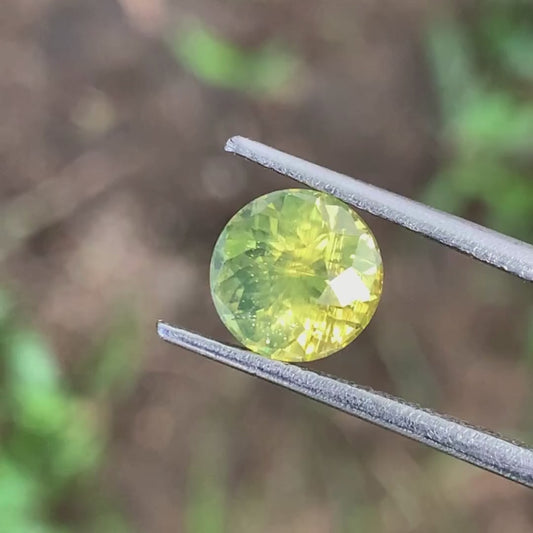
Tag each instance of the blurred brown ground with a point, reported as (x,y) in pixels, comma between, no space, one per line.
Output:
(111,155)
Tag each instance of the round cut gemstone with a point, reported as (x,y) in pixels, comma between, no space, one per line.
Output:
(296,275)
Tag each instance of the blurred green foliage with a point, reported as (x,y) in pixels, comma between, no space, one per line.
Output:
(483,68)
(52,440)
(207,496)
(110,368)
(221,63)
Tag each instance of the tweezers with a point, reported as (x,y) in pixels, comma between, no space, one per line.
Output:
(492,452)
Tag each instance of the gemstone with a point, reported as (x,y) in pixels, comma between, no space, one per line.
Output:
(296,275)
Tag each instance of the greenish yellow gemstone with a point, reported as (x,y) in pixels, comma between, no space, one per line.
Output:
(296,275)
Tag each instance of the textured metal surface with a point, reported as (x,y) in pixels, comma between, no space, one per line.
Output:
(482,243)
(478,447)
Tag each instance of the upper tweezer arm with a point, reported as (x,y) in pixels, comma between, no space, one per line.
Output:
(496,454)
(481,243)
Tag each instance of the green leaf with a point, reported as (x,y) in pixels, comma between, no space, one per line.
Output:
(223,64)
(495,121)
(18,491)
(450,60)
(29,361)
(506,32)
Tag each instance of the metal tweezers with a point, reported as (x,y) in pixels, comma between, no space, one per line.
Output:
(482,448)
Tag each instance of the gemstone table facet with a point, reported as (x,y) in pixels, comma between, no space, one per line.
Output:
(296,275)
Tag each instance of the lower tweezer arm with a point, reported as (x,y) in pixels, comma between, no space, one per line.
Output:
(478,447)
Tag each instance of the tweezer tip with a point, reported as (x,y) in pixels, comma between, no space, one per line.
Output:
(231,143)
(161,328)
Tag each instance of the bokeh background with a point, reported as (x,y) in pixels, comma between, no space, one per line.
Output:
(113,189)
